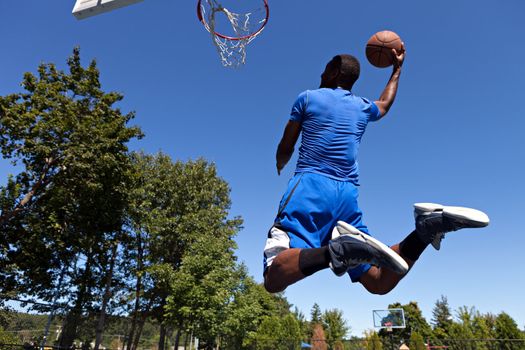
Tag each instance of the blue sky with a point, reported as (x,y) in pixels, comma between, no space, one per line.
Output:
(454,135)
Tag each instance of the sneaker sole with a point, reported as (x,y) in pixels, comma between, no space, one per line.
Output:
(473,217)
(398,262)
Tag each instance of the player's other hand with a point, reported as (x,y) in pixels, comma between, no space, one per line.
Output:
(399,56)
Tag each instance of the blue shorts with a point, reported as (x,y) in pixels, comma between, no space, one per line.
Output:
(308,212)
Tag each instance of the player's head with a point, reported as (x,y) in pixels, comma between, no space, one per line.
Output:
(342,70)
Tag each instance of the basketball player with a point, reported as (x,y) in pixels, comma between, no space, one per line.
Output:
(319,222)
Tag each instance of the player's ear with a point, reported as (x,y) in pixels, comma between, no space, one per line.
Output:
(336,65)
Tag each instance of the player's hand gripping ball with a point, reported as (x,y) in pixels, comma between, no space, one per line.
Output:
(379,48)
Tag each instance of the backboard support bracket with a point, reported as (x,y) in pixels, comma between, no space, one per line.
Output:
(88,8)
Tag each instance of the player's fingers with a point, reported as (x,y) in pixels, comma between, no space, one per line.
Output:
(397,54)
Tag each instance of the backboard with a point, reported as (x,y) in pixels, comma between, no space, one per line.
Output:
(87,8)
(390,318)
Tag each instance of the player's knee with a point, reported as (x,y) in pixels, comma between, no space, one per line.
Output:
(271,286)
(380,290)
(373,283)
(377,288)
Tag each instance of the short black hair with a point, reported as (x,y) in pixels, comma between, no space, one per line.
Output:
(349,69)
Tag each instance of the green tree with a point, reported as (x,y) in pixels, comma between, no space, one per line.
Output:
(416,342)
(315,318)
(315,314)
(8,338)
(305,325)
(183,246)
(250,304)
(202,289)
(462,331)
(334,325)
(441,319)
(373,341)
(62,212)
(278,333)
(506,328)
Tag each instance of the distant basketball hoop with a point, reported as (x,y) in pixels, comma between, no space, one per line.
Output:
(389,319)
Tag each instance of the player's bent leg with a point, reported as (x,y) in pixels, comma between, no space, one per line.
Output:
(378,280)
(285,265)
(294,264)
(283,271)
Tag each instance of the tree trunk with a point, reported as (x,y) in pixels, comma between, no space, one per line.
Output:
(53,311)
(186,341)
(105,300)
(72,321)
(177,339)
(138,290)
(141,323)
(162,337)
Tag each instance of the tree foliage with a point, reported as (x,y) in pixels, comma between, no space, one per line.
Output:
(416,342)
(334,325)
(315,314)
(441,318)
(62,212)
(278,333)
(373,341)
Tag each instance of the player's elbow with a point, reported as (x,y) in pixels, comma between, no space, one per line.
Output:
(383,106)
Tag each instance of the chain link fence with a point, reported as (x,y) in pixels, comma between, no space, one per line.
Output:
(349,344)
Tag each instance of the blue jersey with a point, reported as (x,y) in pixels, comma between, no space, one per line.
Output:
(333,123)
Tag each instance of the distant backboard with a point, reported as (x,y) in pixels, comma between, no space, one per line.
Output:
(390,318)
(87,8)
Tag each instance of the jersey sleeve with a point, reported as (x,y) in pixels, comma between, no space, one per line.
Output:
(299,107)
(371,109)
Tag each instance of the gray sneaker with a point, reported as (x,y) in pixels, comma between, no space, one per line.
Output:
(434,220)
(350,247)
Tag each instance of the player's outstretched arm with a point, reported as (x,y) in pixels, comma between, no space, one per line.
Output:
(287,144)
(389,93)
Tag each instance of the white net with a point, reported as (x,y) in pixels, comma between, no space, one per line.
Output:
(231,32)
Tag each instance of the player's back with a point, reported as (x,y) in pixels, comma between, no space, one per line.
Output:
(333,123)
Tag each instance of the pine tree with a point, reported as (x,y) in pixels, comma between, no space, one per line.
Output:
(441,319)
(315,314)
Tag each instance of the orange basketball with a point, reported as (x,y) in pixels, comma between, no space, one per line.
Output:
(379,48)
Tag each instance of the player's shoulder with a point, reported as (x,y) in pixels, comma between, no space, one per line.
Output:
(364,100)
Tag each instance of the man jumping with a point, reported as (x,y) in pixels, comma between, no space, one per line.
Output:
(319,223)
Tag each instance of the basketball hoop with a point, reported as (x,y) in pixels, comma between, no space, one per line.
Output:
(233,31)
(388,326)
